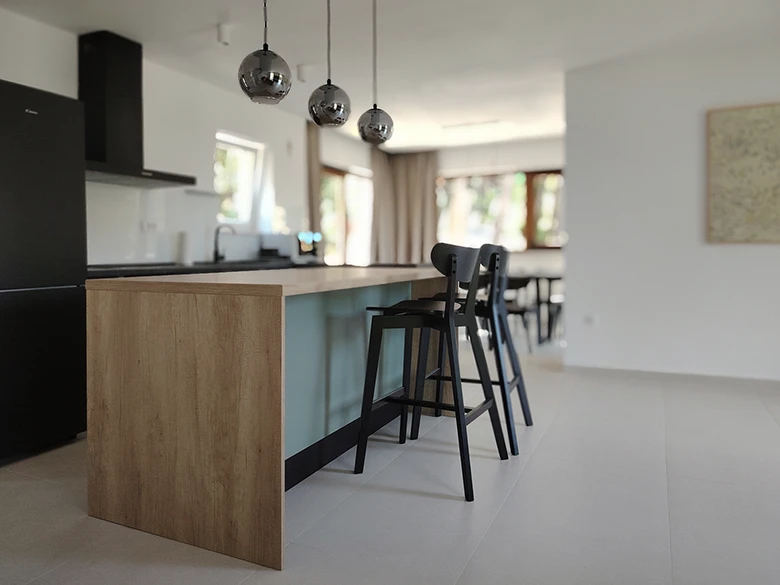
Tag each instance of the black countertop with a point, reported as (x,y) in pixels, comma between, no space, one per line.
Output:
(130,270)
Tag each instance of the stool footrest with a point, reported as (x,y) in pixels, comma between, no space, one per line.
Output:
(463,380)
(475,412)
(421,403)
(472,413)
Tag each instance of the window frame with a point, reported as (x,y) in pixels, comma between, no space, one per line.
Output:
(529,231)
(530,203)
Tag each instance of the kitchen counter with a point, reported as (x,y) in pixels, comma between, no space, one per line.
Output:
(271,283)
(132,270)
(205,390)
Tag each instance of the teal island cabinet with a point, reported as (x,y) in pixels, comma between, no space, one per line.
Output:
(205,390)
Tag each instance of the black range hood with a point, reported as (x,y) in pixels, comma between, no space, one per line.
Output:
(111,88)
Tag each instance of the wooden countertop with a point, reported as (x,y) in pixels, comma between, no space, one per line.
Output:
(267,283)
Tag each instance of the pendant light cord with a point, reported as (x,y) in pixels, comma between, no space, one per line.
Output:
(328,42)
(265,21)
(375,51)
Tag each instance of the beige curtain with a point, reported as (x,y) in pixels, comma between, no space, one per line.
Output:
(314,174)
(405,213)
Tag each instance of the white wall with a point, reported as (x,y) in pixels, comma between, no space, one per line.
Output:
(35,54)
(182,115)
(664,300)
(344,152)
(523,155)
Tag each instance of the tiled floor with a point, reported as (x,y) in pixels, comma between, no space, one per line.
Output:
(624,479)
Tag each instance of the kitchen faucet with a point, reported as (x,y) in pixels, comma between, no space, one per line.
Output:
(218,257)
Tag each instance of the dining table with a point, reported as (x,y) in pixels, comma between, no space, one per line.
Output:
(519,280)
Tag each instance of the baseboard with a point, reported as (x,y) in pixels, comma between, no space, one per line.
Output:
(672,376)
(303,464)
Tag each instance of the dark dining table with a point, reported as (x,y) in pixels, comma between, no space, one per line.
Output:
(521,280)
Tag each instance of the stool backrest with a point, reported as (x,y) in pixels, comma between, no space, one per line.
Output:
(466,260)
(496,260)
(486,256)
(458,264)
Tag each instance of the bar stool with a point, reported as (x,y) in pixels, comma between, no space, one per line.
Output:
(445,315)
(493,310)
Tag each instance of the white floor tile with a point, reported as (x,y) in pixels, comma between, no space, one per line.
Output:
(312,566)
(772,402)
(612,425)
(65,465)
(133,557)
(413,511)
(42,525)
(313,498)
(722,436)
(724,534)
(566,522)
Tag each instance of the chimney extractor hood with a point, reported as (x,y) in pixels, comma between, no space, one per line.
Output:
(111,88)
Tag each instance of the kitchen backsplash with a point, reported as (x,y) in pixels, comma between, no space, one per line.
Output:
(135,226)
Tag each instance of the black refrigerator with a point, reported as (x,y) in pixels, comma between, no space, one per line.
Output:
(43,257)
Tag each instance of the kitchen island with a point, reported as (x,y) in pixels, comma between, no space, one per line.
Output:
(202,386)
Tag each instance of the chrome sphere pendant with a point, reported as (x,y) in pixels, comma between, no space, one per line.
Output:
(265,77)
(375,126)
(329,106)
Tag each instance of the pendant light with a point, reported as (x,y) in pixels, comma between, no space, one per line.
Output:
(329,104)
(263,75)
(375,125)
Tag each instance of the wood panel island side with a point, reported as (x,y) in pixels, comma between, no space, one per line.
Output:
(201,386)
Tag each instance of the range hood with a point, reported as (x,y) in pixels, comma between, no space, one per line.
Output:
(111,88)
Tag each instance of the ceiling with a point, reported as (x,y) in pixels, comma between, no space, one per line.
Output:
(451,72)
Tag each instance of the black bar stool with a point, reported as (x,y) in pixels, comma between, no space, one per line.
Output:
(493,311)
(445,315)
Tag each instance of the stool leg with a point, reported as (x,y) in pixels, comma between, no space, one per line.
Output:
(506,391)
(460,412)
(407,382)
(487,389)
(516,368)
(419,381)
(439,383)
(372,368)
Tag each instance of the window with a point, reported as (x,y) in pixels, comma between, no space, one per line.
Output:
(547,199)
(238,167)
(517,210)
(346,208)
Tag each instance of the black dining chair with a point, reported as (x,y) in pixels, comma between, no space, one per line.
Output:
(556,311)
(446,315)
(522,306)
